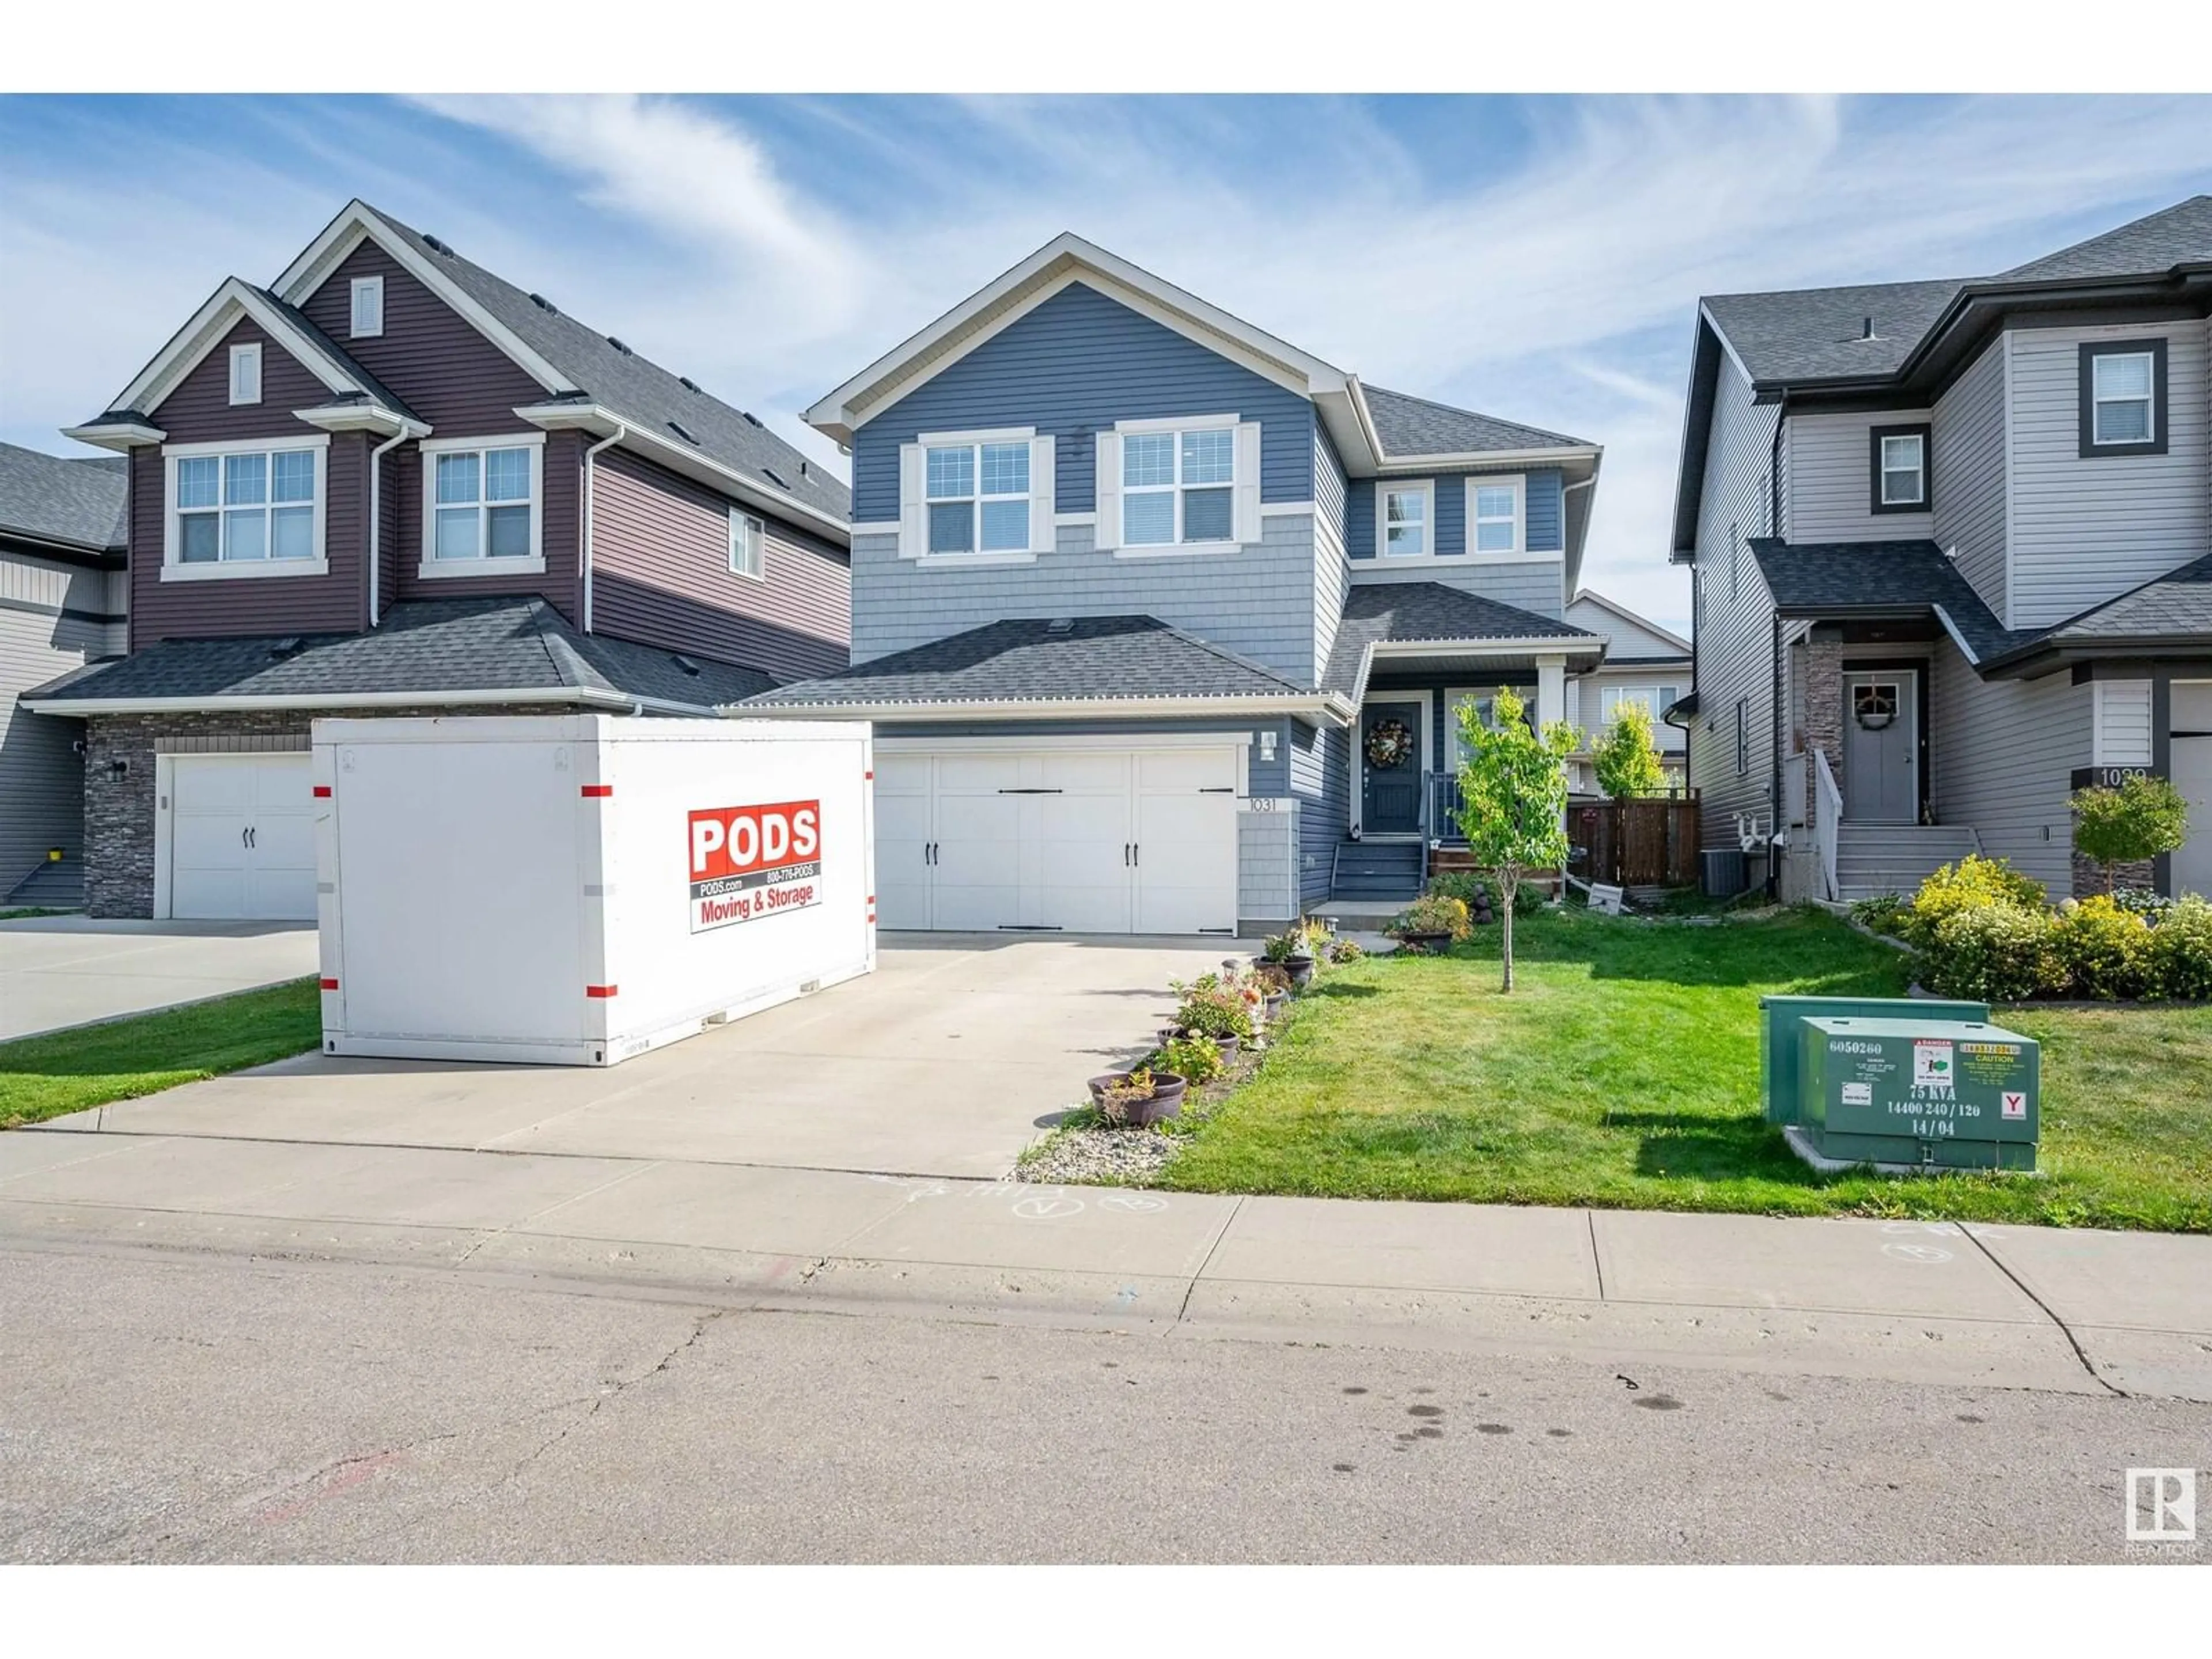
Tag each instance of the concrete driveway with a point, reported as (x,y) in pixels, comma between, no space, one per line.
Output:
(58,971)
(946,1061)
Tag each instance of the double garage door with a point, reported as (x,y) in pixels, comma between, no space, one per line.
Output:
(241,838)
(1097,841)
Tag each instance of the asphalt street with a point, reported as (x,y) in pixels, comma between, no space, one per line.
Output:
(196,1406)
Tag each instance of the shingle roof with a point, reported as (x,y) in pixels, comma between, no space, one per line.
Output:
(1037,660)
(1842,579)
(2180,234)
(429,647)
(1414,426)
(57,498)
(2176,605)
(1377,613)
(1819,333)
(638,388)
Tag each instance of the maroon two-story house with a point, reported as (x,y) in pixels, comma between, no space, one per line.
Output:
(393,482)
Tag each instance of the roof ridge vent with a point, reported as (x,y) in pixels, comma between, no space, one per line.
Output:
(544,304)
(620,347)
(684,662)
(749,416)
(1060,625)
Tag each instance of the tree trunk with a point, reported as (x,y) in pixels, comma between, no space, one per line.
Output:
(1508,886)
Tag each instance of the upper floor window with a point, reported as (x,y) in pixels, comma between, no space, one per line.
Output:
(1406,511)
(979,497)
(1656,700)
(1496,515)
(1178,487)
(367,306)
(482,504)
(748,552)
(245,508)
(245,373)
(2123,398)
(1900,469)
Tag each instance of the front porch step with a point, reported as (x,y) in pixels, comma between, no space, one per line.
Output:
(57,885)
(1381,870)
(1873,858)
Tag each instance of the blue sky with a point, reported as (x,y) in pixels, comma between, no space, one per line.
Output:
(1534,257)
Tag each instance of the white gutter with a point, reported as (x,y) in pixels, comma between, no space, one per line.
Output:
(375,515)
(1326,705)
(617,700)
(620,432)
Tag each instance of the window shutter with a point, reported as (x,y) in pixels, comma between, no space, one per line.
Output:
(1248,481)
(913,511)
(1043,533)
(1109,491)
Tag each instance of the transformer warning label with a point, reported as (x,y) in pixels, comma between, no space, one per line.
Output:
(748,862)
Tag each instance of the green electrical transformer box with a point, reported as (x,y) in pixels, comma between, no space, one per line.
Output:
(1940,1093)
(1778,1044)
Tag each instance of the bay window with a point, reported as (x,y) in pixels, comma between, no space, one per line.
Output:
(245,508)
(482,505)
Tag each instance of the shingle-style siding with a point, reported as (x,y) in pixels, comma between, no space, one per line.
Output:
(1267,856)
(1831,481)
(1257,601)
(559,582)
(1543,513)
(1970,473)
(661,564)
(1320,782)
(1537,585)
(1736,613)
(1078,363)
(2001,752)
(2084,531)
(333,603)
(430,357)
(53,617)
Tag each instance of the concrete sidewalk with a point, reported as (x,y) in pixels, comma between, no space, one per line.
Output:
(60,971)
(2002,1306)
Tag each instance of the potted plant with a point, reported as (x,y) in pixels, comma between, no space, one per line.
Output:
(1274,983)
(1431,922)
(1226,1011)
(1292,951)
(1138,1099)
(1197,1060)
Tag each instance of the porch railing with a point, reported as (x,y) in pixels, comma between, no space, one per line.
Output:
(1440,803)
(1827,821)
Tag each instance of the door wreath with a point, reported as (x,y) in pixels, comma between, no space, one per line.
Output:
(1390,743)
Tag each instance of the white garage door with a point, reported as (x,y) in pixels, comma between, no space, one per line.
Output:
(1084,840)
(2192,765)
(241,838)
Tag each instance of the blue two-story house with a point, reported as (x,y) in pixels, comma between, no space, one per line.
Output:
(1161,618)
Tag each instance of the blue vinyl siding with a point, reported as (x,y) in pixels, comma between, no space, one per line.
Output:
(1320,782)
(1328,480)
(1078,362)
(1545,508)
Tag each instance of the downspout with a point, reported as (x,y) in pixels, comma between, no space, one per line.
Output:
(1776,830)
(375,514)
(590,495)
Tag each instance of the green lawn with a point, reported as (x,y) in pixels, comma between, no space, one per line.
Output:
(43,1077)
(1624,1072)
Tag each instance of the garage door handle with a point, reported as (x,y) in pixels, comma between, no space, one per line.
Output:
(1136,853)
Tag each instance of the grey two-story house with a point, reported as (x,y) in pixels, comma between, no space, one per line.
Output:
(393,482)
(1951,544)
(1161,618)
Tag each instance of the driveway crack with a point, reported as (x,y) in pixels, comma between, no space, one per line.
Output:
(2064,1329)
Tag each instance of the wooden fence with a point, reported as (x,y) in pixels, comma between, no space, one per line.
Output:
(1650,842)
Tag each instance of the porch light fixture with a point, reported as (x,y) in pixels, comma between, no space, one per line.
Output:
(117,769)
(1267,745)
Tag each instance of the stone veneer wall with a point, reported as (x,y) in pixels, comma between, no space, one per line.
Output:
(2090,875)
(1823,715)
(118,811)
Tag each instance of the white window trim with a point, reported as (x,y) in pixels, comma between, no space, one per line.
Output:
(975,497)
(1518,483)
(2148,398)
(360,286)
(1179,548)
(430,569)
(1919,471)
(174,570)
(739,517)
(1425,488)
(241,356)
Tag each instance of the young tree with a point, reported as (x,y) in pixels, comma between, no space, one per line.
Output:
(1626,759)
(1513,798)
(2142,819)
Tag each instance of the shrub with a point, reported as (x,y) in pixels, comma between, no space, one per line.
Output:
(1625,759)
(1884,913)
(1973,883)
(1292,942)
(1432,913)
(1196,1059)
(1464,885)
(2142,819)
(1345,949)
(2181,952)
(1994,953)
(1273,981)
(1214,1010)
(2106,951)
(2143,901)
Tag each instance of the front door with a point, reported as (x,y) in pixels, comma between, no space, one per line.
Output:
(1881,746)
(1390,768)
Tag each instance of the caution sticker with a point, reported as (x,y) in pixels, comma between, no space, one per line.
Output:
(1932,1064)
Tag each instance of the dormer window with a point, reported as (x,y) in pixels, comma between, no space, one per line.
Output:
(368,307)
(245,373)
(2123,398)
(1900,455)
